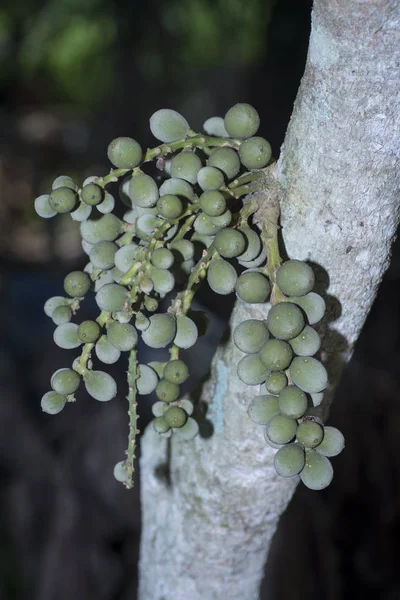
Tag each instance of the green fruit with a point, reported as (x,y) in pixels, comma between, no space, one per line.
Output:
(162,258)
(223,220)
(92,194)
(221,277)
(312,304)
(119,472)
(143,190)
(168,125)
(107,205)
(253,244)
(225,159)
(255,153)
(82,213)
(270,442)
(317,473)
(170,206)
(256,262)
(176,371)
(147,381)
(77,284)
(182,250)
(310,434)
(101,386)
(307,342)
(61,314)
(250,335)
(102,255)
(105,229)
(317,398)
(253,287)
(210,178)
(276,382)
(295,278)
(124,153)
(106,352)
(146,285)
(262,409)
(126,256)
(141,322)
(160,425)
(215,126)
(281,429)
(285,320)
(52,303)
(251,370)
(64,181)
(186,165)
(43,207)
(186,332)
(65,381)
(161,331)
(146,225)
(177,187)
(53,403)
(203,240)
(111,297)
(229,243)
(63,200)
(89,332)
(242,121)
(163,280)
(308,374)
(150,304)
(122,335)
(333,442)
(204,226)
(188,431)
(212,203)
(175,417)
(66,336)
(276,355)
(292,402)
(167,391)
(289,460)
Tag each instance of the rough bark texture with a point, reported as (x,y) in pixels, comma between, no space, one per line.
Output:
(208,526)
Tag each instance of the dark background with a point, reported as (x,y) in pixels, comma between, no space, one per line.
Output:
(74,75)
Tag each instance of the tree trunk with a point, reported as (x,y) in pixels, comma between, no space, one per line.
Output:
(208,527)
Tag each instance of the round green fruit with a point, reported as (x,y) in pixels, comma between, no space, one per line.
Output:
(308,374)
(292,402)
(53,403)
(176,371)
(253,287)
(175,417)
(213,203)
(262,409)
(295,278)
(124,153)
(310,434)
(229,243)
(92,194)
(281,429)
(168,125)
(65,381)
(255,153)
(317,473)
(276,355)
(221,277)
(161,331)
(289,460)
(89,332)
(225,159)
(251,370)
(242,121)
(122,335)
(63,200)
(285,320)
(249,336)
(167,391)
(276,382)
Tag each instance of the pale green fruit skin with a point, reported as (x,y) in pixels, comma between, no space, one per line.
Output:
(64,181)
(255,153)
(262,408)
(289,460)
(161,331)
(333,442)
(285,320)
(89,332)
(186,165)
(102,255)
(175,417)
(147,381)
(213,203)
(276,382)
(225,159)
(119,472)
(124,153)
(92,194)
(242,121)
(159,408)
(210,178)
(176,371)
(310,434)
(177,187)
(77,284)
(168,125)
(256,262)
(229,243)
(162,258)
(292,402)
(101,386)
(306,343)
(53,403)
(170,206)
(188,431)
(223,220)
(251,370)
(52,303)
(82,213)
(160,425)
(186,332)
(167,391)
(215,126)
(163,280)
(253,287)
(122,335)
(312,304)
(253,244)
(111,297)
(276,355)
(317,473)
(66,336)
(105,229)
(221,277)
(249,336)
(43,208)
(308,374)
(107,205)
(106,352)
(63,200)
(143,190)
(182,250)
(61,314)
(65,381)
(204,226)
(281,429)
(295,278)
(125,257)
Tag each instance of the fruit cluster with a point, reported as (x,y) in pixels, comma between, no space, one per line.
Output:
(189,222)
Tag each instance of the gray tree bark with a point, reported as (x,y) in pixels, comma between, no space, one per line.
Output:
(206,532)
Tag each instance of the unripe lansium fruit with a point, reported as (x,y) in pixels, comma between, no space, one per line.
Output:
(242,121)
(124,153)
(249,336)
(255,153)
(176,371)
(253,287)
(63,200)
(92,194)
(161,331)
(285,320)
(225,159)
(229,243)
(295,278)
(89,332)
(168,125)
(175,416)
